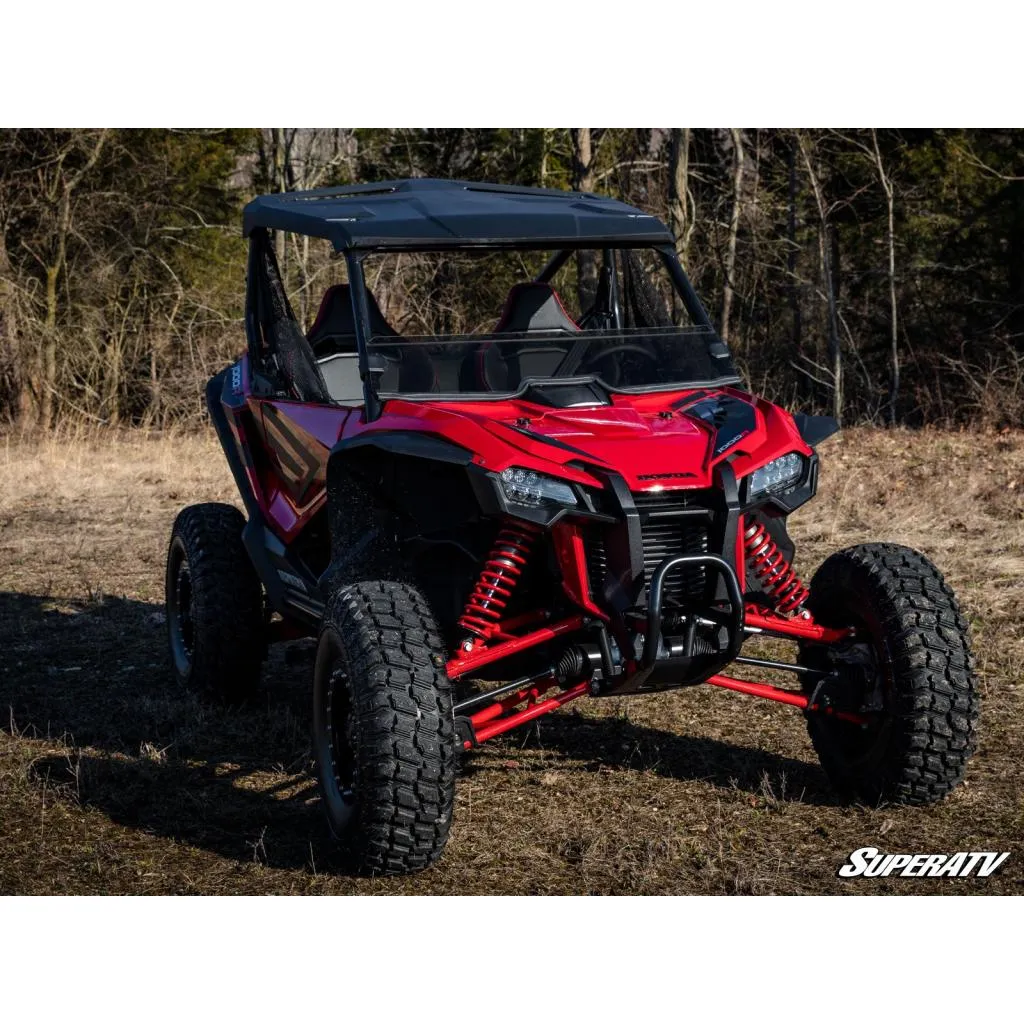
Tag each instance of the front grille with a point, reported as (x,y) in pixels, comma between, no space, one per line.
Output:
(671,523)
(662,540)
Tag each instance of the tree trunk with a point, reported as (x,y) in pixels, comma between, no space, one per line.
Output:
(791,228)
(894,342)
(835,351)
(48,369)
(154,388)
(828,245)
(22,401)
(679,218)
(583,181)
(278,185)
(734,227)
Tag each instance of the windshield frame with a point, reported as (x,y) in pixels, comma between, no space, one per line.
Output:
(463,346)
(374,400)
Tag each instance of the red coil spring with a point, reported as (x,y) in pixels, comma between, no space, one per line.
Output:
(769,567)
(498,578)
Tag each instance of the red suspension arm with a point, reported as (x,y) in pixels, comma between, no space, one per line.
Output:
(776,693)
(469,661)
(487,724)
(798,628)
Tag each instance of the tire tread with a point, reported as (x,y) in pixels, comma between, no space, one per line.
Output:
(227,599)
(405,729)
(936,702)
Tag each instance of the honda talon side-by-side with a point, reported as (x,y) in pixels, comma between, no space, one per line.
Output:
(485,515)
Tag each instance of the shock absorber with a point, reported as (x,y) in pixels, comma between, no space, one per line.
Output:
(767,564)
(498,578)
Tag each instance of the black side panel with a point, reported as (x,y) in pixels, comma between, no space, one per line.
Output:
(368,497)
(294,594)
(731,418)
(408,442)
(237,456)
(815,429)
(728,522)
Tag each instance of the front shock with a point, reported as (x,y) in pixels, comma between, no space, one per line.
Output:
(498,579)
(767,564)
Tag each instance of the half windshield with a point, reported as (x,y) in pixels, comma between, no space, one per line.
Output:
(506,364)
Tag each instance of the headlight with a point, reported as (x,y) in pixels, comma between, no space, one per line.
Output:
(525,487)
(777,474)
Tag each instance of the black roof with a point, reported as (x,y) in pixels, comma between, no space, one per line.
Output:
(424,213)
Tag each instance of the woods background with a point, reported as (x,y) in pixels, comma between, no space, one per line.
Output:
(874,274)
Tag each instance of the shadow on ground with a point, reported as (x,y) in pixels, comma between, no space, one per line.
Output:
(93,676)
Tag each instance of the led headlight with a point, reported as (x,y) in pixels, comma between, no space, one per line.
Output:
(525,487)
(779,473)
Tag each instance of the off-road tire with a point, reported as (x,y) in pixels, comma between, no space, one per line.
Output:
(383,730)
(218,641)
(917,748)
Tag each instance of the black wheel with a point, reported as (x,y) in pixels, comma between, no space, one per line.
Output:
(215,621)
(383,730)
(909,668)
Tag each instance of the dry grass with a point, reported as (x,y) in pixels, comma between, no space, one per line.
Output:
(113,780)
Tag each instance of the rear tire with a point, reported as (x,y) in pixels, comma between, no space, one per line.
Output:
(383,729)
(214,603)
(917,649)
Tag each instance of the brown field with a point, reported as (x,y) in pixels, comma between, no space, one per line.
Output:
(113,780)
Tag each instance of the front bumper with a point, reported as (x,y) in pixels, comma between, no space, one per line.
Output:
(682,661)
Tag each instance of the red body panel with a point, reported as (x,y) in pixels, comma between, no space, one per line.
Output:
(645,438)
(567,539)
(649,440)
(297,439)
(641,437)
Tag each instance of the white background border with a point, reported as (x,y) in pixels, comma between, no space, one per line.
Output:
(479,63)
(424,960)
(474,62)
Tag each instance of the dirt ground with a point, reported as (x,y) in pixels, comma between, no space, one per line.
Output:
(114,780)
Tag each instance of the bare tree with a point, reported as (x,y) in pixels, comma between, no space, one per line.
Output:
(793,248)
(60,177)
(584,173)
(728,289)
(827,250)
(894,353)
(680,200)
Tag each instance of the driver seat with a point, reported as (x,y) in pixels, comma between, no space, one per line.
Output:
(333,339)
(533,307)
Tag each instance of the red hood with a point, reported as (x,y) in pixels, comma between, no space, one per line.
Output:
(654,441)
(647,447)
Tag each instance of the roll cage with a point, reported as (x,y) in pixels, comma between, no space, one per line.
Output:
(278,349)
(427,216)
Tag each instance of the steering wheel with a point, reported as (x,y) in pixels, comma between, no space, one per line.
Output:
(621,348)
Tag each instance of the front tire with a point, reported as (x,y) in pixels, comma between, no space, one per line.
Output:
(913,664)
(383,729)
(214,603)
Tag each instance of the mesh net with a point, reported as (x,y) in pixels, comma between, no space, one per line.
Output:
(643,306)
(283,351)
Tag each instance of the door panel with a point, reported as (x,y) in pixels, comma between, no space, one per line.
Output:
(299,439)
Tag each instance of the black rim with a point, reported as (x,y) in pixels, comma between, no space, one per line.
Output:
(871,672)
(336,739)
(180,609)
(341,740)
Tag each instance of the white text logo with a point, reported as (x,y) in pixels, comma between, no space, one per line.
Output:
(868,862)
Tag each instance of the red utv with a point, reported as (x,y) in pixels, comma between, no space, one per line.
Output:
(484,523)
